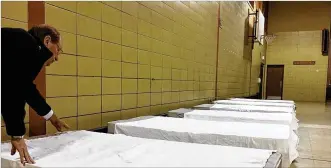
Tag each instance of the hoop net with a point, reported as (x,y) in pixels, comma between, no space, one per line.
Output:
(269,38)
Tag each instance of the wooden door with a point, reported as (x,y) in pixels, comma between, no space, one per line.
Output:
(260,94)
(328,83)
(275,77)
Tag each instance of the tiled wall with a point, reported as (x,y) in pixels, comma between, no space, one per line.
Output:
(301,82)
(235,50)
(17,18)
(300,41)
(128,59)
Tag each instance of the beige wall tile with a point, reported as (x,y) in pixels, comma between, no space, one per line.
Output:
(166,73)
(156,72)
(13,23)
(143,111)
(166,85)
(90,9)
(175,85)
(175,96)
(111,33)
(129,86)
(156,98)
(72,6)
(144,99)
(111,103)
(129,38)
(144,28)
(156,60)
(129,54)
(61,86)
(89,122)
(130,8)
(145,43)
(144,57)
(166,97)
(144,85)
(155,110)
(144,13)
(89,66)
(129,70)
(89,105)
(111,51)
(66,23)
(114,4)
(127,114)
(65,66)
(88,27)
(111,15)
(63,106)
(111,68)
(111,86)
(129,101)
(156,86)
(89,86)
(129,22)
(88,47)
(20,13)
(144,71)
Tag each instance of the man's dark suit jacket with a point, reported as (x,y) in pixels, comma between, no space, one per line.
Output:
(22,57)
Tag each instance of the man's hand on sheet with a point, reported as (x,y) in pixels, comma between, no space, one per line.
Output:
(20,146)
(58,124)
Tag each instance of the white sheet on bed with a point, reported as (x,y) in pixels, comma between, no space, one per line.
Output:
(90,149)
(254,103)
(254,117)
(260,100)
(248,108)
(252,135)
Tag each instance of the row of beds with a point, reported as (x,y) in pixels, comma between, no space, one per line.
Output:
(227,133)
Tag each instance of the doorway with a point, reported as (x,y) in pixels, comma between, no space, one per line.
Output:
(275,78)
(260,95)
(328,84)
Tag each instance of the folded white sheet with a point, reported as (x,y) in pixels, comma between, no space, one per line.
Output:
(251,117)
(247,108)
(251,135)
(260,100)
(254,103)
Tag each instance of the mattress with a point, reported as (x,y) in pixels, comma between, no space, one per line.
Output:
(239,134)
(254,103)
(260,100)
(251,117)
(91,149)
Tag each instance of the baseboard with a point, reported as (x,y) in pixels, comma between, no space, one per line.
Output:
(256,96)
(101,130)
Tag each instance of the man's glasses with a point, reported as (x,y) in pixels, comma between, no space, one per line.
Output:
(59,49)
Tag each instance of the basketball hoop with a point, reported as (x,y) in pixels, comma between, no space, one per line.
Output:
(269,38)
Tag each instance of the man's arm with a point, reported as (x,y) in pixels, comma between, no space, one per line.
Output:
(37,102)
